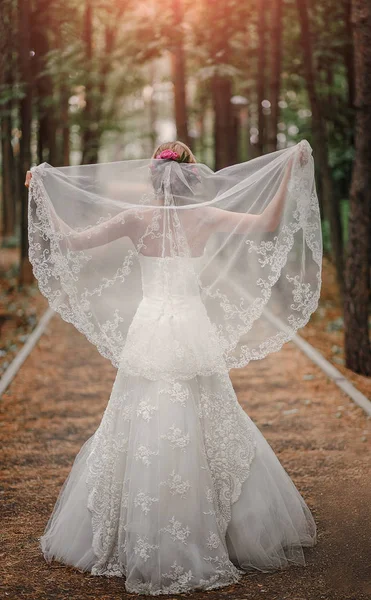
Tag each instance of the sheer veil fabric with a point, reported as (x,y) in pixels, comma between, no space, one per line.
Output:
(177,274)
(89,225)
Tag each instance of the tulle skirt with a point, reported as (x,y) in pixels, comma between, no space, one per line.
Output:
(177,490)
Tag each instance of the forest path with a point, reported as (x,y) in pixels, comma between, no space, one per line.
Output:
(322,439)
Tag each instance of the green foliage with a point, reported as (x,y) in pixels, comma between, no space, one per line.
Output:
(101,92)
(344,214)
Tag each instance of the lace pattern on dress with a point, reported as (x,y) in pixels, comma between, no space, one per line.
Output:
(228,450)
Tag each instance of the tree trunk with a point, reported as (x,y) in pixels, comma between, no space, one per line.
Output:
(94,108)
(8,202)
(89,125)
(25,275)
(332,209)
(179,75)
(218,13)
(64,96)
(41,135)
(358,264)
(8,192)
(201,139)
(262,8)
(223,124)
(275,77)
(62,117)
(152,111)
(235,135)
(8,163)
(47,134)
(349,53)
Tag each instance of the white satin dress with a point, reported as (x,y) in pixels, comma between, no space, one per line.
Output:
(177,490)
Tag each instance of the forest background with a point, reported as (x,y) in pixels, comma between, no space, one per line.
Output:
(83,81)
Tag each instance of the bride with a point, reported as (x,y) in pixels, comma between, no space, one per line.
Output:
(178,274)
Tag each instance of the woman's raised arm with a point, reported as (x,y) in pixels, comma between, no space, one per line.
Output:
(121,225)
(268,220)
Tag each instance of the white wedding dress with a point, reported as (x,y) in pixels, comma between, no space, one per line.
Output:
(177,490)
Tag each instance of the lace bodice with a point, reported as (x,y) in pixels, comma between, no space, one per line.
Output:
(171,336)
(170,277)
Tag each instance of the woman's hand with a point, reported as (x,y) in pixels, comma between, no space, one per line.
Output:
(305,152)
(28,179)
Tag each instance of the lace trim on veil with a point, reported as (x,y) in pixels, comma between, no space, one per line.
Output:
(57,274)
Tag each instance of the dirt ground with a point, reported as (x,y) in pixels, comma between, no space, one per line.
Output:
(321,438)
(325,330)
(20,308)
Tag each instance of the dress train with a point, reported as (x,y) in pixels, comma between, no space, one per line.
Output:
(177,490)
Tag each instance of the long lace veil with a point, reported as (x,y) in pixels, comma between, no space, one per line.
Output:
(251,233)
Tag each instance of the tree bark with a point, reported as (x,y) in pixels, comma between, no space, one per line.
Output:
(8,192)
(331,208)
(152,111)
(89,125)
(8,200)
(358,264)
(349,53)
(235,135)
(95,95)
(261,73)
(275,77)
(221,85)
(62,119)
(8,162)
(47,134)
(25,275)
(179,75)
(64,96)
(223,123)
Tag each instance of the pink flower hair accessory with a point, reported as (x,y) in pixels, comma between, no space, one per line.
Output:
(168,155)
